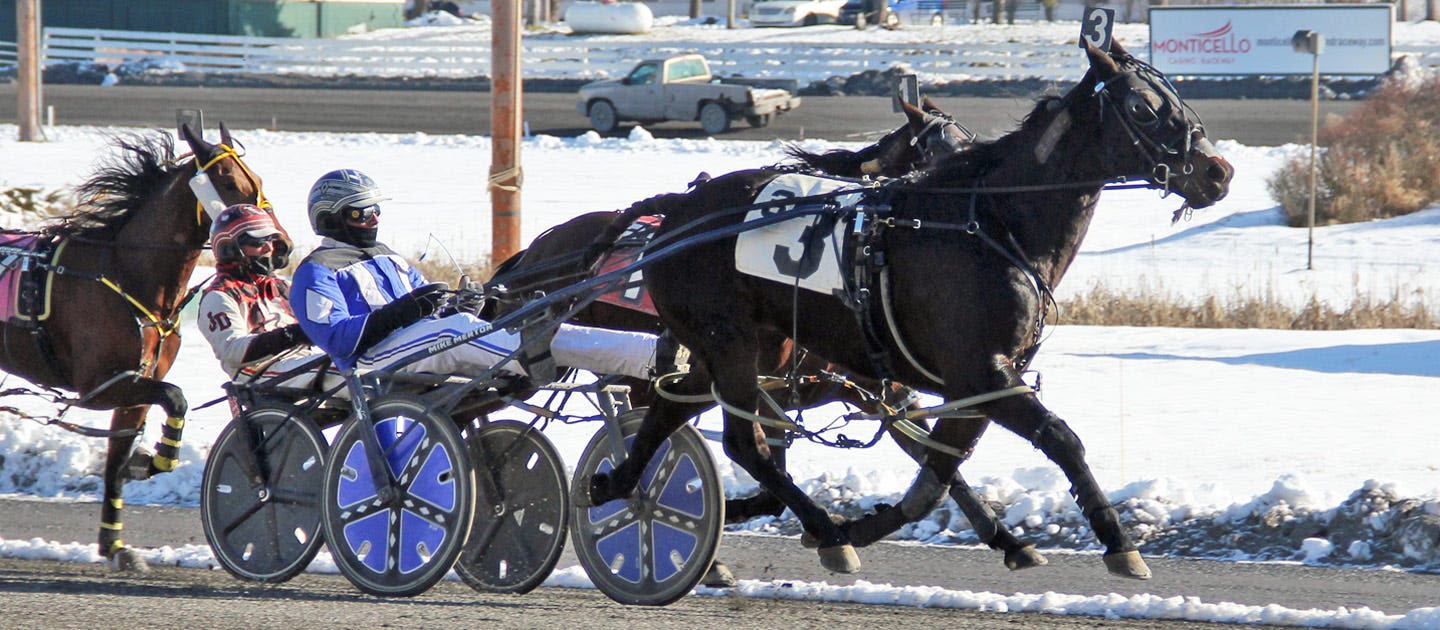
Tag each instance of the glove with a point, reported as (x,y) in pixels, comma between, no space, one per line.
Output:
(425,299)
(405,310)
(273,342)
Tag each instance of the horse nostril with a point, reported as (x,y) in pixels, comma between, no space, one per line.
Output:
(1220,171)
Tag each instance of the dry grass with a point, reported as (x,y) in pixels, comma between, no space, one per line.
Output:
(1382,160)
(1102,306)
(35,204)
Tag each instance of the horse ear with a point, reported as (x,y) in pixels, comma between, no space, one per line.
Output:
(1117,49)
(225,136)
(193,138)
(1101,62)
(929,105)
(914,115)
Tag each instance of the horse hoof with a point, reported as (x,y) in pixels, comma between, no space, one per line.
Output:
(719,576)
(1024,558)
(1127,564)
(138,467)
(840,559)
(128,560)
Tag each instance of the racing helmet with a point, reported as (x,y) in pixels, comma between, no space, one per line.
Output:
(239,223)
(335,194)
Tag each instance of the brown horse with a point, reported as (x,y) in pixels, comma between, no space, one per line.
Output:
(120,267)
(946,288)
(554,259)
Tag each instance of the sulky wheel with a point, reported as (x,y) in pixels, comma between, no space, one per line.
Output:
(521,506)
(398,534)
(654,547)
(260,494)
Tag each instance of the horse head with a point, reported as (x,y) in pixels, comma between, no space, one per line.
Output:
(927,135)
(230,181)
(1174,154)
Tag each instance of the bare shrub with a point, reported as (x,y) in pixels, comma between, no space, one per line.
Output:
(1383,160)
(1102,306)
(35,203)
(443,270)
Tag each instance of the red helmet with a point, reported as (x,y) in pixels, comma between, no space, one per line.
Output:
(242,222)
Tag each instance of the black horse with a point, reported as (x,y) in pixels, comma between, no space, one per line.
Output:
(947,289)
(555,258)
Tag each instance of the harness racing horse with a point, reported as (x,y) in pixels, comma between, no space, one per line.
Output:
(555,259)
(120,267)
(945,288)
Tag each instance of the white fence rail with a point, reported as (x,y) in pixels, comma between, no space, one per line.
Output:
(561,59)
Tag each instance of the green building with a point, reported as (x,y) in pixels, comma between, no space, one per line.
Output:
(261,18)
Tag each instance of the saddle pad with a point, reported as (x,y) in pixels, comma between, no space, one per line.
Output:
(793,251)
(24,288)
(625,251)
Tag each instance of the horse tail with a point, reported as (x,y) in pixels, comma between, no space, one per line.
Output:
(838,162)
(623,219)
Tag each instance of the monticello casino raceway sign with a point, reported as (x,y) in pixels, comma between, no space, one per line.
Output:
(1256,40)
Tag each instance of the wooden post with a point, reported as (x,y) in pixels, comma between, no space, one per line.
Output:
(506,112)
(27,31)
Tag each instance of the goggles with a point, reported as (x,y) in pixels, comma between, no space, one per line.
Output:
(245,240)
(363,214)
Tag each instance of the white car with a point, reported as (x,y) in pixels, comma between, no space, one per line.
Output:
(794,12)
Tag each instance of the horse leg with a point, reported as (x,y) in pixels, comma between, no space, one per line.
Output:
(1028,418)
(927,491)
(112,503)
(118,455)
(988,527)
(761,503)
(661,420)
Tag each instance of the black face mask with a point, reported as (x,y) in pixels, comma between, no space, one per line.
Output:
(358,236)
(260,265)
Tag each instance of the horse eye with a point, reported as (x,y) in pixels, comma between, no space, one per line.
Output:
(1140,111)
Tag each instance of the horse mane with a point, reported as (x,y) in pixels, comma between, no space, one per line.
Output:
(840,162)
(978,160)
(119,186)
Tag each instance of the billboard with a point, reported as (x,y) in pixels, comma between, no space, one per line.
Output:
(1232,40)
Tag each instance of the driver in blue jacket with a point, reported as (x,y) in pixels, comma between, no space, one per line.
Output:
(368,307)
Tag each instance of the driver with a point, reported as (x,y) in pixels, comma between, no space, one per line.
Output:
(245,311)
(368,307)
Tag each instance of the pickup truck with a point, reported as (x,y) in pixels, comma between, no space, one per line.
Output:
(682,88)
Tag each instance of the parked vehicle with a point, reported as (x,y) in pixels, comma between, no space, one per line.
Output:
(682,88)
(933,12)
(794,12)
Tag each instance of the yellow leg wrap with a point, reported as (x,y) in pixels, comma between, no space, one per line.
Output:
(164,464)
(116,546)
(169,442)
(117,503)
(175,423)
(114,527)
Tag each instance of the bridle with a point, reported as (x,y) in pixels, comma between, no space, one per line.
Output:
(1148,128)
(940,135)
(226,151)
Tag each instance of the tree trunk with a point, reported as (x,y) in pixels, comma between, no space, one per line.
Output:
(417,9)
(1432,10)
(695,10)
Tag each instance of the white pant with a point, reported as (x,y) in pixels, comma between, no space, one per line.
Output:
(597,350)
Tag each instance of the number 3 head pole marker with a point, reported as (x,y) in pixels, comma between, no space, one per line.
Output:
(1096,27)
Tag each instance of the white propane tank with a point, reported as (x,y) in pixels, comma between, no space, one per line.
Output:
(626,18)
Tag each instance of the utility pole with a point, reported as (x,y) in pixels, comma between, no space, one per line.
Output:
(506,112)
(27,31)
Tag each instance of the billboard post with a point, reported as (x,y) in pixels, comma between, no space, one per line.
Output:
(1313,44)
